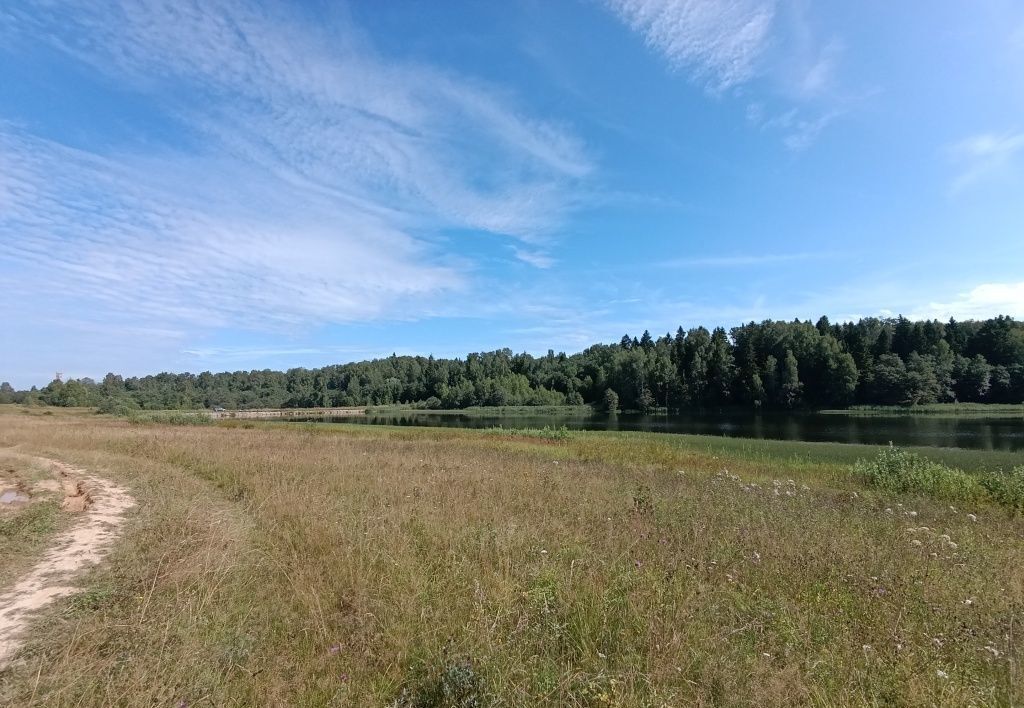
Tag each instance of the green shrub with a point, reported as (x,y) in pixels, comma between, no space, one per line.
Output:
(170,417)
(1007,488)
(901,471)
(118,405)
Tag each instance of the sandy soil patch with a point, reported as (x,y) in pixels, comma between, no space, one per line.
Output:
(102,506)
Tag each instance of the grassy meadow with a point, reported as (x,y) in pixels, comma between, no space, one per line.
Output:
(305,564)
(942,410)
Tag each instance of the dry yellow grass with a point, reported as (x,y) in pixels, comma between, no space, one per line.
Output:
(271,566)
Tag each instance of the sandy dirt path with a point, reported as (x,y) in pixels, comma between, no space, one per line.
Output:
(85,544)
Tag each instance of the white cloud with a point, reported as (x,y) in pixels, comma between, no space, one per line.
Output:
(106,233)
(538,259)
(984,301)
(718,41)
(983,156)
(727,43)
(314,170)
(819,76)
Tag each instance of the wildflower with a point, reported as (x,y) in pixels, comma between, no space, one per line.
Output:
(969,601)
(941,674)
(855,496)
(343,678)
(972,517)
(334,649)
(866,648)
(756,557)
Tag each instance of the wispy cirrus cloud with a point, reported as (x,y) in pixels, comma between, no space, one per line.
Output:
(728,43)
(201,255)
(314,175)
(984,155)
(718,42)
(538,259)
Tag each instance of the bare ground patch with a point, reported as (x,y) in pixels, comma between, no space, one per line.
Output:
(101,505)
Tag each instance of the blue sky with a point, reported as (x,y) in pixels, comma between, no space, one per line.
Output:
(223,185)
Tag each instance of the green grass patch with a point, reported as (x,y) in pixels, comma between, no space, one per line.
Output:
(23,535)
(545,433)
(904,472)
(950,410)
(169,417)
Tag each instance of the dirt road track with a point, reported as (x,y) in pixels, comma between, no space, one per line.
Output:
(96,528)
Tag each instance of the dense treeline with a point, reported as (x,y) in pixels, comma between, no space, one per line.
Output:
(771,364)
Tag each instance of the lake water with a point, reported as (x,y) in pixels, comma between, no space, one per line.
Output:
(975,432)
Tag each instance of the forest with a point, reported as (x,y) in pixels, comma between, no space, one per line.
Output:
(772,364)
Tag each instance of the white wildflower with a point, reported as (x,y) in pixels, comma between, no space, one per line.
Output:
(941,674)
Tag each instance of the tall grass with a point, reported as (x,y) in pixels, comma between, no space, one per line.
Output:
(366,566)
(999,410)
(169,417)
(901,471)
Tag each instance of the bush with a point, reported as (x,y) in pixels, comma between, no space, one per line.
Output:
(610,401)
(171,417)
(897,470)
(117,405)
(1007,488)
